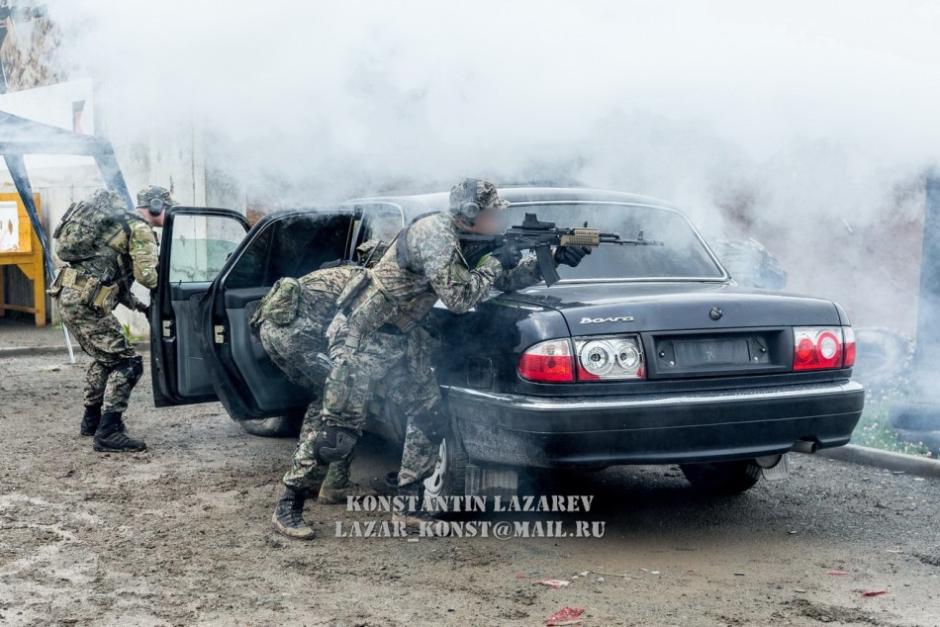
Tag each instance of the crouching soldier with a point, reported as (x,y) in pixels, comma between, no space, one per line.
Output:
(376,332)
(105,249)
(291,322)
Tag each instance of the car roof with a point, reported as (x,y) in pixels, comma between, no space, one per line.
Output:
(414,204)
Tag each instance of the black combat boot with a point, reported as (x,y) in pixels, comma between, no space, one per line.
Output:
(91,419)
(288,517)
(110,436)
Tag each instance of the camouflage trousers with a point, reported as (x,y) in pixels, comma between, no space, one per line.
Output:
(389,373)
(116,367)
(293,348)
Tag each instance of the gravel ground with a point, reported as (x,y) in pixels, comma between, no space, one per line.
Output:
(180,535)
(17,331)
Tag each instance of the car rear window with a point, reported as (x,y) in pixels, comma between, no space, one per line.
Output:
(682,255)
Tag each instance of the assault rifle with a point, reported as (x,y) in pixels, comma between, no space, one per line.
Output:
(538,236)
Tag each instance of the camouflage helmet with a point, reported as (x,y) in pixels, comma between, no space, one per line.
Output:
(155,199)
(470,197)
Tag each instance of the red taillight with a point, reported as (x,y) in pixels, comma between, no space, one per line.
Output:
(821,348)
(805,351)
(548,362)
(848,359)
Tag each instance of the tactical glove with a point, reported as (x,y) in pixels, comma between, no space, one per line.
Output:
(571,255)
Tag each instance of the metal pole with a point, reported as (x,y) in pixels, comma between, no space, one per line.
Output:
(68,345)
(919,419)
(927,352)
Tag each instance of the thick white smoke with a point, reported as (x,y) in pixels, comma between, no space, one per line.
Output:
(809,121)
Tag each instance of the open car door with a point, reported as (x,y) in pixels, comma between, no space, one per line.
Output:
(291,243)
(196,243)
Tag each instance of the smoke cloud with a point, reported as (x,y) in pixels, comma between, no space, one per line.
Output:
(807,125)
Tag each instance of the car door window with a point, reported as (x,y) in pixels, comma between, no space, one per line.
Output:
(200,245)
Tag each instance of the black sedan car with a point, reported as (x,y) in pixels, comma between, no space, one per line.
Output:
(640,355)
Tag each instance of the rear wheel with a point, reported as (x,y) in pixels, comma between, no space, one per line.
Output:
(723,477)
(449,476)
(274,427)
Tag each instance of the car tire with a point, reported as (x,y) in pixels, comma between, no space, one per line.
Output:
(723,478)
(274,427)
(449,476)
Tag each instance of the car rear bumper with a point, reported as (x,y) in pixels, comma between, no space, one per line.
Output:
(655,428)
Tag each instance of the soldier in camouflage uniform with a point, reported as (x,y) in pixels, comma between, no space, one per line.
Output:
(291,322)
(106,248)
(375,334)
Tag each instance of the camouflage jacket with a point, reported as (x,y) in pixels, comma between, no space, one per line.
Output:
(437,268)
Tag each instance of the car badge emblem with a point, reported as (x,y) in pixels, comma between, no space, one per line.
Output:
(715,313)
(587,320)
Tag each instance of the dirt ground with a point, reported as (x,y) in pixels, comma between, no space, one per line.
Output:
(180,535)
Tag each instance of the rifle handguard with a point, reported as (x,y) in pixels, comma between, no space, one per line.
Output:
(581,237)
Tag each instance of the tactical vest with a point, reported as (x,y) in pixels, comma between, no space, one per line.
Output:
(402,253)
(369,306)
(473,252)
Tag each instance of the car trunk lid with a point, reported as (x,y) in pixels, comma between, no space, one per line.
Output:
(605,308)
(689,329)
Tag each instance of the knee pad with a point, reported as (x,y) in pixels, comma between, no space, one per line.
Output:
(132,368)
(334,444)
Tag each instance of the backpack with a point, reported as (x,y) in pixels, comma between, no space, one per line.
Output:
(88,226)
